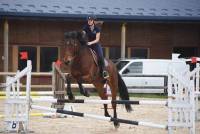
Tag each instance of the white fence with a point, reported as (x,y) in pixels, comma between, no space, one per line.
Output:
(195,76)
(181,106)
(17,112)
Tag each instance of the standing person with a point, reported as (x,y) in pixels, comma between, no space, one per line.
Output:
(93,34)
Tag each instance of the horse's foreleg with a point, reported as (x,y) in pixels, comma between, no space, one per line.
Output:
(82,90)
(69,89)
(116,123)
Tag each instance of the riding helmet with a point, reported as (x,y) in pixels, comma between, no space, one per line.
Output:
(91,17)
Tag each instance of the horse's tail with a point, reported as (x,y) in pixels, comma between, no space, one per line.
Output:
(123,92)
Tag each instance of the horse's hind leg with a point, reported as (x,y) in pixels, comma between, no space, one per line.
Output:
(113,87)
(82,90)
(103,96)
(106,109)
(69,90)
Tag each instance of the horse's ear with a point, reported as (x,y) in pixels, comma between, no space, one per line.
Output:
(74,34)
(79,35)
(66,35)
(83,34)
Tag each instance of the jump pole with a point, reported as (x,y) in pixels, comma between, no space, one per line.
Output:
(141,102)
(110,119)
(35,114)
(23,97)
(39,93)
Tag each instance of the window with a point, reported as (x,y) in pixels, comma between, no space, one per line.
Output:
(41,57)
(114,53)
(141,53)
(47,56)
(121,64)
(32,55)
(134,68)
(186,52)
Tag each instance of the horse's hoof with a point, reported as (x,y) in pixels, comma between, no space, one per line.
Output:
(116,124)
(87,94)
(71,97)
(107,115)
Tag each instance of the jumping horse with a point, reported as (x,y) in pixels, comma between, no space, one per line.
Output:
(84,69)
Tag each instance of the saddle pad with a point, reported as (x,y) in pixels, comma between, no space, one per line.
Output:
(106,62)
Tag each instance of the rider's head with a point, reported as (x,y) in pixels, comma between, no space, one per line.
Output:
(91,19)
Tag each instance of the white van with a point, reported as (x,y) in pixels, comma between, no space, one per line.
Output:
(148,75)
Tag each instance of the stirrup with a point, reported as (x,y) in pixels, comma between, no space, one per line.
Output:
(105,74)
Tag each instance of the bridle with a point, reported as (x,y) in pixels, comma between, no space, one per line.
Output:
(72,45)
(74,41)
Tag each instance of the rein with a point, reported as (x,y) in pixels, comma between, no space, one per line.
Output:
(74,48)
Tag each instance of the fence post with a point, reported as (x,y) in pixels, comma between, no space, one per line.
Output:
(28,91)
(58,86)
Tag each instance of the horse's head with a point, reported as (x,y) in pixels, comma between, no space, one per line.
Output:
(73,42)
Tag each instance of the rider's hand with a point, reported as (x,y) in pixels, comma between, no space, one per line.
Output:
(89,43)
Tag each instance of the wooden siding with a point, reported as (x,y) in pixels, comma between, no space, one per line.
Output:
(160,38)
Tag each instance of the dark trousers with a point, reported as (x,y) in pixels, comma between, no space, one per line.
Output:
(98,49)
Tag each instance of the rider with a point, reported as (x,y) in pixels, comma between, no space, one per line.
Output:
(93,34)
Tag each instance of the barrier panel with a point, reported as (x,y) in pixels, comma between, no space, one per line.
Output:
(180,103)
(17,111)
(195,75)
(181,106)
(58,86)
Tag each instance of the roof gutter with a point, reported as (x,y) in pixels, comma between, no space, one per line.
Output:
(110,18)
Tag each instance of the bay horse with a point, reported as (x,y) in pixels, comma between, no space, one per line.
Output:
(84,69)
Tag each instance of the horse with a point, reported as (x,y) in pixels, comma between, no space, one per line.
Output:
(84,69)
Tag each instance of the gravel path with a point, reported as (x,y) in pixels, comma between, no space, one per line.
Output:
(78,125)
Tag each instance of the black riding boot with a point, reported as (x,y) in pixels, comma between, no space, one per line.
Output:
(103,71)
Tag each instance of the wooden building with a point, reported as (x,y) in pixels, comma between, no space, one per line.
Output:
(130,29)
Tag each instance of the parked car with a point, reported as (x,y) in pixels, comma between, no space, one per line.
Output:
(148,75)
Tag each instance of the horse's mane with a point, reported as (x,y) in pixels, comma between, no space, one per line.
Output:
(77,35)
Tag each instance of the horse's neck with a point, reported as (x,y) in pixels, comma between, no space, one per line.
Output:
(83,62)
(84,54)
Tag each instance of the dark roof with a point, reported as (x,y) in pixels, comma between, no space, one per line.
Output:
(182,10)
